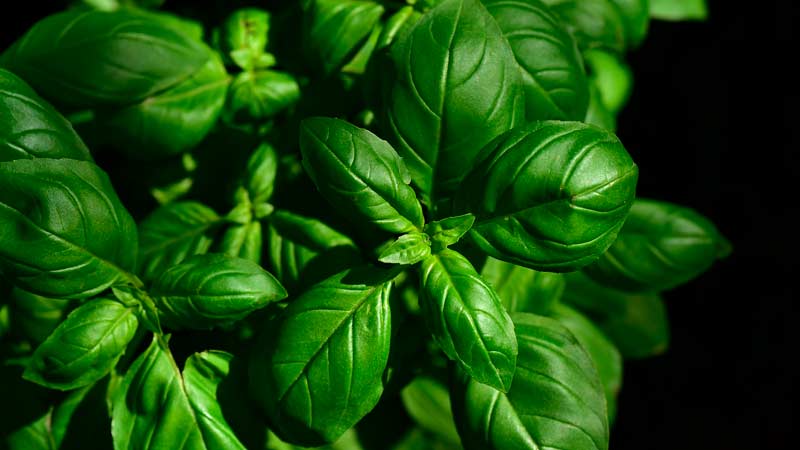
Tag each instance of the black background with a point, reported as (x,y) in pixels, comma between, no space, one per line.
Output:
(711,123)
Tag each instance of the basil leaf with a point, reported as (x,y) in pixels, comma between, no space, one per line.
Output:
(303,250)
(678,9)
(598,113)
(256,96)
(427,401)
(594,23)
(467,319)
(397,24)
(322,368)
(152,407)
(661,245)
(550,195)
(448,231)
(31,128)
(85,347)
(211,290)
(522,289)
(243,241)
(408,249)
(171,234)
(63,231)
(102,58)
(637,323)
(555,401)
(612,78)
(360,174)
(348,441)
(635,19)
(259,178)
(244,36)
(555,86)
(437,122)
(604,354)
(333,30)
(35,316)
(358,64)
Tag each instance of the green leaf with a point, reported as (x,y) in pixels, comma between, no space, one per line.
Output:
(321,369)
(396,25)
(360,174)
(550,195)
(556,400)
(256,96)
(211,290)
(334,29)
(635,19)
(598,114)
(661,246)
(348,441)
(555,85)
(31,128)
(612,78)
(259,177)
(63,231)
(171,234)
(244,36)
(155,408)
(243,241)
(522,289)
(408,249)
(436,120)
(604,354)
(303,250)
(427,401)
(676,10)
(467,319)
(35,316)
(594,23)
(637,323)
(358,64)
(447,232)
(85,347)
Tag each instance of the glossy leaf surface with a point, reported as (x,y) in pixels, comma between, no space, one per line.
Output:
(550,195)
(360,174)
(63,231)
(85,347)
(594,23)
(409,248)
(322,368)
(467,319)
(522,289)
(449,231)
(555,401)
(210,290)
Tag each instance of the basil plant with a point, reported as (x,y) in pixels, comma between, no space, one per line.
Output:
(342,224)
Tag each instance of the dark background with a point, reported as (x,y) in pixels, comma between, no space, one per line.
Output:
(711,123)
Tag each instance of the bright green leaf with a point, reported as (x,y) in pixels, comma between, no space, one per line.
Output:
(447,232)
(594,23)
(678,9)
(408,249)
(522,289)
(257,96)
(427,401)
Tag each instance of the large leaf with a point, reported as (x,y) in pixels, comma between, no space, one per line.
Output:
(555,402)
(594,23)
(155,408)
(31,128)
(467,319)
(522,289)
(85,347)
(171,234)
(321,369)
(457,87)
(211,290)
(427,401)
(678,9)
(360,174)
(555,84)
(63,231)
(550,195)
(661,246)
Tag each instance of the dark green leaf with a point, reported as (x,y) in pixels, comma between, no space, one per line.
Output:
(358,65)
(211,290)
(85,347)
(594,23)
(635,19)
(457,88)
(154,408)
(348,441)
(243,241)
(244,37)
(35,317)
(408,249)
(427,402)
(467,319)
(637,323)
(360,174)
(31,128)
(334,29)
(256,96)
(522,289)
(448,231)
(322,368)
(678,9)
(556,400)
(259,177)
(550,195)
(418,439)
(171,234)
(661,245)
(63,231)
(551,66)
(612,78)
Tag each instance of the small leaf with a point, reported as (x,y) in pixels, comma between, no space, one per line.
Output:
(612,78)
(635,19)
(598,114)
(257,96)
(243,241)
(467,319)
(427,401)
(408,249)
(211,290)
(259,177)
(522,289)
(321,369)
(594,23)
(447,232)
(35,317)
(244,36)
(360,174)
(85,347)
(676,10)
